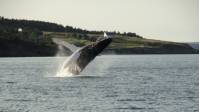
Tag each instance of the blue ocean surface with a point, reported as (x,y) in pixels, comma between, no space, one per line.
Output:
(110,83)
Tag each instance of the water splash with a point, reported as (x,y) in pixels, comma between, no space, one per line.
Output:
(64,74)
(65,70)
(61,51)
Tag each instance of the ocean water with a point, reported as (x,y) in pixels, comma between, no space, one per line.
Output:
(111,83)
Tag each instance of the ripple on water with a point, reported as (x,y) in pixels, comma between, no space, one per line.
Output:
(18,100)
(130,100)
(11,82)
(130,108)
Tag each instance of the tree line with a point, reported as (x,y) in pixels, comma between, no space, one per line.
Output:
(13,25)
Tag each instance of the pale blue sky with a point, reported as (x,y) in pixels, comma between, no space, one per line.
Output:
(172,20)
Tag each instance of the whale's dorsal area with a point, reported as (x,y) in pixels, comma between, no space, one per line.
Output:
(83,56)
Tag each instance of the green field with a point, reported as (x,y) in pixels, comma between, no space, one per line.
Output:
(118,40)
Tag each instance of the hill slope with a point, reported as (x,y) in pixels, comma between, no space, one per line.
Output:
(35,39)
(126,44)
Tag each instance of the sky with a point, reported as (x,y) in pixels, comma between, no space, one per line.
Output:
(171,20)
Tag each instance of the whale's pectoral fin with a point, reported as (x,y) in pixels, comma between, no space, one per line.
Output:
(67,45)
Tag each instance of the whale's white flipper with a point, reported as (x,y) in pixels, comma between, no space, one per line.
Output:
(61,42)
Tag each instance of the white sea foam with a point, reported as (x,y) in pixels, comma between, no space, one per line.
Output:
(69,63)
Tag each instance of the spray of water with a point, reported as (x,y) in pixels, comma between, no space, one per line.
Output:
(64,70)
(60,51)
(64,74)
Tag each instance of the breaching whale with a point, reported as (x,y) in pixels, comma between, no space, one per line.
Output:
(83,56)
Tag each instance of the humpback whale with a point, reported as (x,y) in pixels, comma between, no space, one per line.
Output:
(84,55)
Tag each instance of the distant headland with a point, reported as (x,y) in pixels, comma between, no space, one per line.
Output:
(23,38)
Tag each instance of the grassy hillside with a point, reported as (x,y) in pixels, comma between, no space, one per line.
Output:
(118,40)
